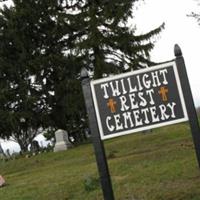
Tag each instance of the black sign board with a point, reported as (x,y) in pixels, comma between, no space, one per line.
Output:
(138,100)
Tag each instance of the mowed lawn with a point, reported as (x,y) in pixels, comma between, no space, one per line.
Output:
(144,166)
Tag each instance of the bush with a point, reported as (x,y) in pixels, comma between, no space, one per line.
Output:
(91,183)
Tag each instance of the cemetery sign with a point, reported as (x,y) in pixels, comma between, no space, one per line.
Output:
(138,100)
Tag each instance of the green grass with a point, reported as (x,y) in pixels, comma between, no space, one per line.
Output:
(155,166)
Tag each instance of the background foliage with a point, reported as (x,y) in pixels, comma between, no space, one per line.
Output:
(44,45)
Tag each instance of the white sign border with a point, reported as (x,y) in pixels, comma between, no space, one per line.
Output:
(165,65)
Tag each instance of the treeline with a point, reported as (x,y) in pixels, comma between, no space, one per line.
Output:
(44,44)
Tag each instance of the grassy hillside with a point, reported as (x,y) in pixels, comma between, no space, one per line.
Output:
(155,166)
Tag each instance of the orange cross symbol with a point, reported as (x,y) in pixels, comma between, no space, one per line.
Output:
(112,105)
(163,93)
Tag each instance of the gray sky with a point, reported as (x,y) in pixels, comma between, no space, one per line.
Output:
(179,29)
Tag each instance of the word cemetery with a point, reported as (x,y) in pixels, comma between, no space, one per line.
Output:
(138,100)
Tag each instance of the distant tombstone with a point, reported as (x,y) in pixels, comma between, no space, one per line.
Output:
(35,147)
(2,181)
(1,151)
(2,154)
(8,153)
(87,133)
(62,141)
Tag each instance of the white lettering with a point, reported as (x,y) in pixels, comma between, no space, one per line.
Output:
(156,81)
(115,90)
(163,112)
(123,87)
(104,87)
(132,100)
(172,109)
(147,84)
(110,127)
(154,117)
(124,107)
(131,89)
(118,124)
(164,72)
(143,101)
(149,93)
(139,83)
(138,120)
(127,117)
(144,111)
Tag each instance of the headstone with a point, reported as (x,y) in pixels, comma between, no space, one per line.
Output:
(87,133)
(62,141)
(2,181)
(8,155)
(2,154)
(35,147)
(1,149)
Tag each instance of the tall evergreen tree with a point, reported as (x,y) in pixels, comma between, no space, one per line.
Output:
(44,44)
(103,39)
(38,80)
(196,15)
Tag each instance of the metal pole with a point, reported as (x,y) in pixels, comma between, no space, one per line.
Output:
(97,143)
(192,115)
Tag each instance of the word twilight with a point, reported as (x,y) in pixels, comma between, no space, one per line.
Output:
(145,81)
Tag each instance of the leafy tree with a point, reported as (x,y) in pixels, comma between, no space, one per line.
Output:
(20,96)
(196,15)
(36,75)
(103,39)
(44,44)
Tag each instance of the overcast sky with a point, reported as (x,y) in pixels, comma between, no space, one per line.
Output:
(179,28)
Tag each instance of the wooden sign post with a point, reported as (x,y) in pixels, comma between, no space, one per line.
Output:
(192,115)
(136,101)
(97,143)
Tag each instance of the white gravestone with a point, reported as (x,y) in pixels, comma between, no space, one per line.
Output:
(62,141)
(1,149)
(2,154)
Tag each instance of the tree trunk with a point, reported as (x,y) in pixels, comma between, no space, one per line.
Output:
(23,145)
